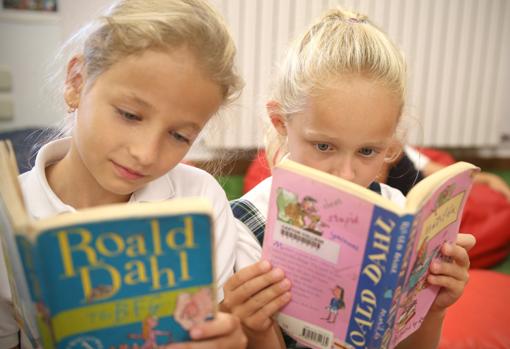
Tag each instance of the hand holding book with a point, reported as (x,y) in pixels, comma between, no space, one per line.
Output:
(224,332)
(255,294)
(451,273)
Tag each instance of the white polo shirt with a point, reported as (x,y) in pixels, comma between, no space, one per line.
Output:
(181,181)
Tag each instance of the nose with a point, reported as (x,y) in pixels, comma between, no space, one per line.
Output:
(145,148)
(344,168)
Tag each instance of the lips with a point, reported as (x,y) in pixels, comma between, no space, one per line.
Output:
(127,173)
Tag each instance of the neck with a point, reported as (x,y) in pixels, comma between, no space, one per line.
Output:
(73,183)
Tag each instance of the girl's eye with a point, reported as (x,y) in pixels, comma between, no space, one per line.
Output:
(179,137)
(323,147)
(367,152)
(128,116)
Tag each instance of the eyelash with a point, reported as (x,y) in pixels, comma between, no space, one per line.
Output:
(372,152)
(179,137)
(132,117)
(329,148)
(128,116)
(317,146)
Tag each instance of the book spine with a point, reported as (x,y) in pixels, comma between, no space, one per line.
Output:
(371,283)
(393,280)
(26,251)
(31,268)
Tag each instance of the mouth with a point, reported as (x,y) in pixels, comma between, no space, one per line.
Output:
(127,173)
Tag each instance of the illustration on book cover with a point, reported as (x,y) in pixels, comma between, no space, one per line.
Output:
(335,304)
(301,214)
(190,309)
(436,223)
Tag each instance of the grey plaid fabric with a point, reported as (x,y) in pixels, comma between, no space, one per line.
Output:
(247,213)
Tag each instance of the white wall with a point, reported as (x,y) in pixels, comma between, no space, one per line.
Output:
(74,13)
(505,123)
(27,44)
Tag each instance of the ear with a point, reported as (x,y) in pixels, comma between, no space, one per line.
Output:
(75,80)
(277,119)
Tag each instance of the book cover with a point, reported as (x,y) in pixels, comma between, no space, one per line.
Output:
(348,252)
(11,274)
(437,222)
(128,276)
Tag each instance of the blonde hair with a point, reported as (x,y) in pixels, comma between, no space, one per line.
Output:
(340,44)
(130,27)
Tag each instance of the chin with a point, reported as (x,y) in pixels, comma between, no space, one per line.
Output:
(123,189)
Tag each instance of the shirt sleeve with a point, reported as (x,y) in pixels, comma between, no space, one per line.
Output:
(419,160)
(393,194)
(226,236)
(248,249)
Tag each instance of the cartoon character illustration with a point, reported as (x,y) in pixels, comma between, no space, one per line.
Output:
(192,309)
(301,214)
(309,214)
(335,304)
(289,210)
(417,278)
(150,334)
(445,195)
(409,310)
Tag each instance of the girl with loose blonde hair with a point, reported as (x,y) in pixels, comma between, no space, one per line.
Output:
(141,82)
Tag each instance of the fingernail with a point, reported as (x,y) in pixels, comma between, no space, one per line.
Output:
(435,266)
(195,333)
(277,273)
(265,265)
(285,284)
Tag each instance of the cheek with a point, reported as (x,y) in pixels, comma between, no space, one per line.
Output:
(299,148)
(169,159)
(314,162)
(374,169)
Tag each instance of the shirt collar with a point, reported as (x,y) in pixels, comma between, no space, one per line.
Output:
(160,189)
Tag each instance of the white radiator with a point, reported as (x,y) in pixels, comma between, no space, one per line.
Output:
(456,51)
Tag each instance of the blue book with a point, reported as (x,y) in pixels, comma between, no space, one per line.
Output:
(124,276)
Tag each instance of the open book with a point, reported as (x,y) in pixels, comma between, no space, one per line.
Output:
(358,262)
(120,276)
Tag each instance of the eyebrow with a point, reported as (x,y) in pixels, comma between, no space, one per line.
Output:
(144,104)
(139,101)
(192,125)
(320,135)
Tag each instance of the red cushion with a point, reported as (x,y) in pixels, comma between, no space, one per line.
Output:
(438,156)
(481,317)
(256,172)
(486,216)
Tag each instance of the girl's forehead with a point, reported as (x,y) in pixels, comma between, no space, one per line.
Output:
(357,115)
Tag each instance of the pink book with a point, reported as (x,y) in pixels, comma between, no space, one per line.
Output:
(357,261)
